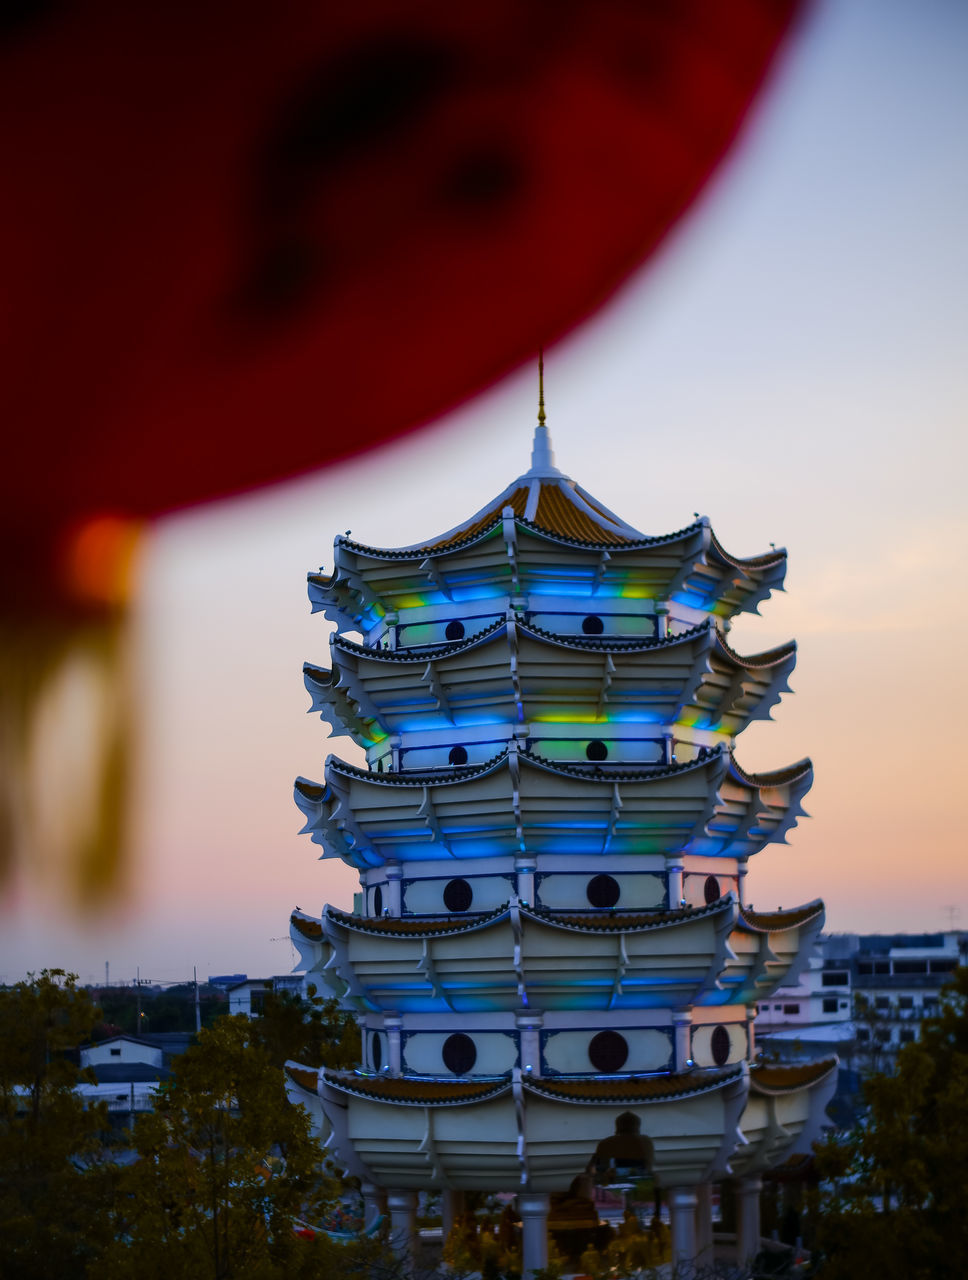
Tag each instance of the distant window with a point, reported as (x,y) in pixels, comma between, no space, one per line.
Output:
(882,1002)
(711,890)
(865,967)
(943,966)
(458,755)
(459,1054)
(608,1052)
(115,1053)
(907,1035)
(863,1033)
(376,1052)
(830,1004)
(458,895)
(596,750)
(905,1002)
(843,1004)
(882,1035)
(911,966)
(720,1045)
(603,891)
(455,630)
(791,1008)
(882,966)
(592,625)
(834,979)
(378,901)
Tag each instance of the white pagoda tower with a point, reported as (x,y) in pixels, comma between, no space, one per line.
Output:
(551,957)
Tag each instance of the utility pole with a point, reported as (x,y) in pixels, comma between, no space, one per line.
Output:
(198,1007)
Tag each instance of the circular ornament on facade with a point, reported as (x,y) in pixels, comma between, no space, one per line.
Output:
(378,900)
(720,1046)
(592,625)
(459,1054)
(711,890)
(376,1052)
(603,891)
(455,630)
(596,750)
(608,1052)
(458,895)
(458,755)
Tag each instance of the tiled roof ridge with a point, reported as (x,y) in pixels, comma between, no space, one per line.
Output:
(446,547)
(417,777)
(609,920)
(419,654)
(306,1077)
(444,776)
(654,1088)
(606,644)
(611,773)
(619,544)
(777,921)
(768,657)
(594,921)
(774,778)
(309,926)
(788,1077)
(410,926)
(415,1091)
(774,556)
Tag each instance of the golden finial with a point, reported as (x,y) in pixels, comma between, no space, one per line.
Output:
(541,408)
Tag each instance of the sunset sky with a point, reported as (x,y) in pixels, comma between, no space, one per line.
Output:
(794,365)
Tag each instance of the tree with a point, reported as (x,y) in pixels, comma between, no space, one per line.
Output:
(898,1199)
(227,1169)
(52,1171)
(315,1031)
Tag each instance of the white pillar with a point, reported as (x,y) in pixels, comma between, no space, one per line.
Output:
(451,1208)
(533,1208)
(524,866)
(674,872)
(682,1021)
(741,869)
(403,1222)
(682,1217)
(529,1033)
(392,1023)
(374,1203)
(392,897)
(704,1224)
(661,621)
(748,1219)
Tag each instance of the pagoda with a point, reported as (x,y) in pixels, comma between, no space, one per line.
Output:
(551,956)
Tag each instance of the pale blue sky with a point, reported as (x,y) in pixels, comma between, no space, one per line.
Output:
(793,365)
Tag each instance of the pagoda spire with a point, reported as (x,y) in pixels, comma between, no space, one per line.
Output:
(542,453)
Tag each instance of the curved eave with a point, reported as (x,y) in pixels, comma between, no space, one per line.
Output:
(415,1092)
(691,677)
(779,921)
(574,922)
(635,1090)
(773,1079)
(606,774)
(696,807)
(333,702)
(582,1091)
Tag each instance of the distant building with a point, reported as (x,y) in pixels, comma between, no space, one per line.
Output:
(247,997)
(867,992)
(129,1069)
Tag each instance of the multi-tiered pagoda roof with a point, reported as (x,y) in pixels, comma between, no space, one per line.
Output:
(552,831)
